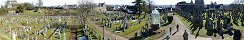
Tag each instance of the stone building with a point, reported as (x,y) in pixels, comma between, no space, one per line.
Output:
(11,4)
(101,7)
(185,9)
(199,5)
(191,11)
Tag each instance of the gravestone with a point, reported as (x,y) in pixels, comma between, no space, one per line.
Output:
(235,19)
(109,23)
(214,25)
(237,35)
(209,23)
(162,21)
(126,25)
(44,38)
(242,20)
(139,21)
(48,25)
(27,21)
(59,19)
(219,27)
(45,30)
(227,23)
(228,27)
(64,36)
(33,38)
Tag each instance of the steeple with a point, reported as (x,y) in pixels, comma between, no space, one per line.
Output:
(191,2)
(199,2)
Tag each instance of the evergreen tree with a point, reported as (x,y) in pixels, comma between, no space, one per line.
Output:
(20,9)
(141,6)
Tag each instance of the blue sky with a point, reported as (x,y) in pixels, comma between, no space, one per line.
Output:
(158,2)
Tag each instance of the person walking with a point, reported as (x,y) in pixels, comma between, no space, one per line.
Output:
(170,28)
(177,27)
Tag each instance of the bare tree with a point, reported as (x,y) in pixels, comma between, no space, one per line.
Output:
(40,3)
(151,4)
(85,7)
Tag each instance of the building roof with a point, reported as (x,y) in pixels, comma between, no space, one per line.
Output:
(101,4)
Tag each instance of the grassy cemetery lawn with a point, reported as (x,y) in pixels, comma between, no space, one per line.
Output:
(34,24)
(4,36)
(239,27)
(99,33)
(130,32)
(31,12)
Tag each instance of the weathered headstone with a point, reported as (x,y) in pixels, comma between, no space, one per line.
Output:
(209,24)
(237,35)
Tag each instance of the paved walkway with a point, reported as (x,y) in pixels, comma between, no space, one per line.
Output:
(179,35)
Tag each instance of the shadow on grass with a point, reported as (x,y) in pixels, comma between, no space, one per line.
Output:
(200,27)
(242,24)
(136,38)
(166,24)
(236,23)
(196,26)
(170,20)
(145,34)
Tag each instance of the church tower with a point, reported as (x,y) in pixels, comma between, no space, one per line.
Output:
(191,2)
(199,1)
(199,8)
(199,5)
